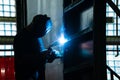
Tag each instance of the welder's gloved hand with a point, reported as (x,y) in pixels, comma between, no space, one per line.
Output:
(51,56)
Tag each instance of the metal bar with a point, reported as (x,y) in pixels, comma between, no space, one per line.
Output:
(6,39)
(111,50)
(114,73)
(114,7)
(113,40)
(21,13)
(111,75)
(6,50)
(7,19)
(117,20)
(109,19)
(117,28)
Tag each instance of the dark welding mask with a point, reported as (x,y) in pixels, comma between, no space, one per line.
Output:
(41,25)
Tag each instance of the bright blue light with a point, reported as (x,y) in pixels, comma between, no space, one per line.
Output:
(48,26)
(62,39)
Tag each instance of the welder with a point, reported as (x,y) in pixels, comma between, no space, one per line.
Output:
(30,55)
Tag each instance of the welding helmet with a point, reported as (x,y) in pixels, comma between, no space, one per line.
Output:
(41,24)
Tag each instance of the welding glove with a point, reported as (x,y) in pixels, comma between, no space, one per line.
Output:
(51,56)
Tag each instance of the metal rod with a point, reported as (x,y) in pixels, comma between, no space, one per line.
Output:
(99,41)
(114,7)
(117,20)
(117,28)
(111,76)
(114,73)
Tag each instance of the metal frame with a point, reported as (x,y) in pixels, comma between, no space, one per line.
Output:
(99,30)
(21,13)
(114,40)
(7,40)
(114,7)
(112,73)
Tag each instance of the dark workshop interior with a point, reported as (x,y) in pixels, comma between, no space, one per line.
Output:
(84,38)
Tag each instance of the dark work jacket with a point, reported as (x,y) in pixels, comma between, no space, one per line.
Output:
(29,61)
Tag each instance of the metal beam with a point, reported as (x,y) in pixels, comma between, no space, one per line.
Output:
(99,30)
(114,7)
(113,40)
(7,19)
(109,19)
(6,39)
(21,13)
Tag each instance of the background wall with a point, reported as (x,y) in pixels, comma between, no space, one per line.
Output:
(54,9)
(32,9)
